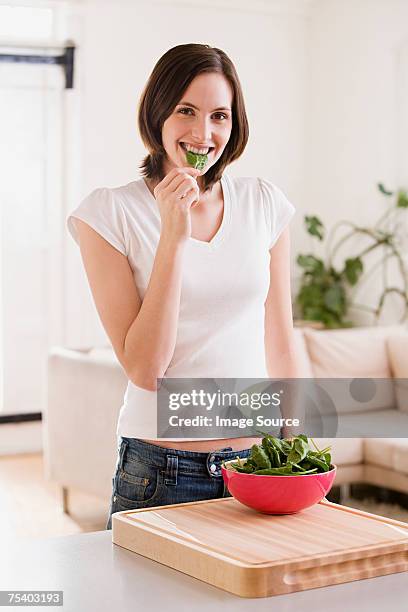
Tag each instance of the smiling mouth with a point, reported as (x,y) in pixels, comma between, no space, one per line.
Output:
(183,146)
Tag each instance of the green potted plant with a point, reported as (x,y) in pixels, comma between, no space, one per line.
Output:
(326,291)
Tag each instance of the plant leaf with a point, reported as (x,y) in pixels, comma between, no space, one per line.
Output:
(353,269)
(334,299)
(402,199)
(314,227)
(311,264)
(310,295)
(384,190)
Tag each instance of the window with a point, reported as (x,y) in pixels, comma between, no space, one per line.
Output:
(31,225)
(26,23)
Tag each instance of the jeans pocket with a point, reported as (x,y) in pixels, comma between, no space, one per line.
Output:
(137,483)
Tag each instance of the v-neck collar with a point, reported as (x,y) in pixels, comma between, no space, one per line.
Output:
(222,230)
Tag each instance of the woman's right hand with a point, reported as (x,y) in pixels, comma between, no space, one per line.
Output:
(175,209)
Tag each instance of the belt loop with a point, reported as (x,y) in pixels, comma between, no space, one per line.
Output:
(122,453)
(170,477)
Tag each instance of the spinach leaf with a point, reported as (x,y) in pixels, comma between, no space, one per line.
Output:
(318,462)
(272,452)
(291,456)
(259,456)
(196,160)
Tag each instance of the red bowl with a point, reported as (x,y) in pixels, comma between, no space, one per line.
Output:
(278,494)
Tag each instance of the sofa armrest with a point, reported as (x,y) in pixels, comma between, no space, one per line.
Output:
(85,394)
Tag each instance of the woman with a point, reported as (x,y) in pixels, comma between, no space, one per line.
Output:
(187,273)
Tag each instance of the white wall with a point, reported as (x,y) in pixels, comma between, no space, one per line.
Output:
(354,113)
(121,42)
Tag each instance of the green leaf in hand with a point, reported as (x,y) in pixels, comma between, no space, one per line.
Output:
(196,160)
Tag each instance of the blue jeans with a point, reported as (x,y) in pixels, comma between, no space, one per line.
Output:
(148,475)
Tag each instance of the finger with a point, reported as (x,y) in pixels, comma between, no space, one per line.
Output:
(178,180)
(190,199)
(175,172)
(170,183)
(185,186)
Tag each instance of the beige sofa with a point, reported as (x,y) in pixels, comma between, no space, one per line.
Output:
(86,388)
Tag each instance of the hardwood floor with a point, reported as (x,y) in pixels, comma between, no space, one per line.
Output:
(31,507)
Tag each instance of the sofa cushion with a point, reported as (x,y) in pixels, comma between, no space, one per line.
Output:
(353,353)
(386,423)
(398,356)
(391,453)
(400,459)
(350,353)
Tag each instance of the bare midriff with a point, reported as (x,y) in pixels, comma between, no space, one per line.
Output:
(206,446)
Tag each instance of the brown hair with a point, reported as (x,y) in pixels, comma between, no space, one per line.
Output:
(170,78)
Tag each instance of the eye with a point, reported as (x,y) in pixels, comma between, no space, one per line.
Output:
(185,111)
(222,116)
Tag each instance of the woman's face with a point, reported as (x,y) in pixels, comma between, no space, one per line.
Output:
(202,119)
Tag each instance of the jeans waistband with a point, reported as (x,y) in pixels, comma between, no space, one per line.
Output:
(175,461)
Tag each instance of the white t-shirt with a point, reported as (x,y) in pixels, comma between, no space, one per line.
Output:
(225,282)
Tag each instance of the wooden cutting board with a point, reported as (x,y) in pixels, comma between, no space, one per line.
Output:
(237,549)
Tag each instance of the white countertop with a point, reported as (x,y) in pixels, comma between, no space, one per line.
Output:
(98,576)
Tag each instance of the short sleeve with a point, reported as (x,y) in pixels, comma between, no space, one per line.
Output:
(278,210)
(104,213)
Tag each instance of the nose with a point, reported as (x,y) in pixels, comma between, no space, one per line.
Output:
(201,130)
